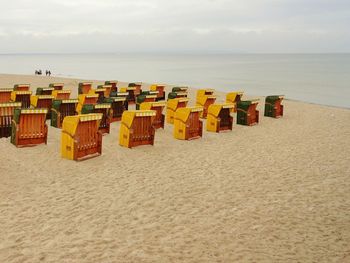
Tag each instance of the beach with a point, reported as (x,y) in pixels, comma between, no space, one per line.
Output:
(275,192)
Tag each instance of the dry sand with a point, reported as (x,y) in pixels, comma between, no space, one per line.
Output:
(275,192)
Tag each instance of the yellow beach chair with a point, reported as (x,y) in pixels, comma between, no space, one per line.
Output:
(219,118)
(205,97)
(233,98)
(137,128)
(81,139)
(172,106)
(161,91)
(187,123)
(158,107)
(85,99)
(42,102)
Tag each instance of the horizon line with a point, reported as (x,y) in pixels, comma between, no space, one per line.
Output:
(177,53)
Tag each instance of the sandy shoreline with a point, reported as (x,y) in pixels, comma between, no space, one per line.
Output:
(275,192)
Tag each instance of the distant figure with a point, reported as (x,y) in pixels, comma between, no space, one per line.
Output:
(38,72)
(49,73)
(46,72)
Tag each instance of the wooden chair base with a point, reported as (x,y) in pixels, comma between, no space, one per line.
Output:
(87,157)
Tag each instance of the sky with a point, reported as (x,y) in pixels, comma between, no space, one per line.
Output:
(203,26)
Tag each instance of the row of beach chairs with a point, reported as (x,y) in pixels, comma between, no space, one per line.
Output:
(86,119)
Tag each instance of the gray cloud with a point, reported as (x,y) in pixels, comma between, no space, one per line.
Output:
(177,26)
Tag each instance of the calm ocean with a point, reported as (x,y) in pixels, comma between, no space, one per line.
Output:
(316,78)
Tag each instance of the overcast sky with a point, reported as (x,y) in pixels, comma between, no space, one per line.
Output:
(55,26)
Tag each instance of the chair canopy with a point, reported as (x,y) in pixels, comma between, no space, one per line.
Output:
(61,94)
(5,95)
(44,91)
(21,87)
(57,86)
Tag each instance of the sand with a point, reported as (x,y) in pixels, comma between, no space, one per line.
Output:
(275,192)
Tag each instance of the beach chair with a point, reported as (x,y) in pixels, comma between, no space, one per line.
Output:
(61,94)
(234,97)
(137,86)
(205,98)
(100,92)
(131,94)
(107,90)
(161,91)
(273,106)
(179,94)
(42,102)
(158,107)
(61,109)
(29,127)
(219,118)
(137,128)
(21,87)
(57,86)
(7,110)
(105,110)
(171,107)
(84,99)
(179,89)
(80,138)
(118,106)
(150,92)
(23,97)
(5,95)
(44,91)
(247,114)
(112,83)
(119,94)
(144,98)
(205,92)
(84,87)
(187,123)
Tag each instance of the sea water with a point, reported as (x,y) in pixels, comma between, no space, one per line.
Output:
(315,78)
